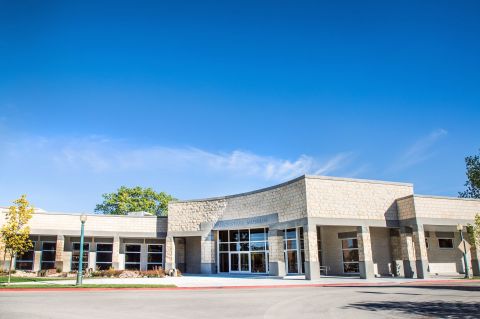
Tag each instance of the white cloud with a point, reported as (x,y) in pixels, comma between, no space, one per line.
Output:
(100,155)
(420,151)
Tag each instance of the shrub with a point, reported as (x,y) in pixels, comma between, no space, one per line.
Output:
(157,272)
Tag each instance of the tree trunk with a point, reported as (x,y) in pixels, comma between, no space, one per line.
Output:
(10,268)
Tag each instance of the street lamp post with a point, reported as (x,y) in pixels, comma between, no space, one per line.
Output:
(83,219)
(467,271)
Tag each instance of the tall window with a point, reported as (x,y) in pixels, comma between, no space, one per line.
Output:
(48,255)
(319,245)
(76,255)
(350,255)
(25,261)
(104,256)
(291,250)
(243,250)
(132,256)
(155,256)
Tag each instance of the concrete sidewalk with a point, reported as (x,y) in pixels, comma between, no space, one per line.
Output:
(198,281)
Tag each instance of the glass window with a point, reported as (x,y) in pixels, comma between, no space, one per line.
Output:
(291,233)
(76,255)
(260,245)
(155,257)
(48,255)
(132,256)
(257,234)
(223,236)
(445,243)
(104,256)
(224,262)
(349,243)
(351,268)
(350,255)
(293,242)
(292,258)
(234,236)
(236,249)
(234,262)
(258,262)
(244,235)
(25,261)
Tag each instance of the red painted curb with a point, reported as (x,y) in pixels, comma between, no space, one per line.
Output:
(347,284)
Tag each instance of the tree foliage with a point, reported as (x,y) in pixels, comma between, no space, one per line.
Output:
(135,199)
(15,232)
(473,177)
(474,231)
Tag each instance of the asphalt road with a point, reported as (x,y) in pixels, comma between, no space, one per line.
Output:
(441,301)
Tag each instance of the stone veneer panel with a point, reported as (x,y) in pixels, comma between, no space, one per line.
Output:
(357,199)
(287,200)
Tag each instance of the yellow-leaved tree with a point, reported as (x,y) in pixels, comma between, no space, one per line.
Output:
(15,232)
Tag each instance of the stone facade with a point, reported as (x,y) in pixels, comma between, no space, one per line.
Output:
(391,226)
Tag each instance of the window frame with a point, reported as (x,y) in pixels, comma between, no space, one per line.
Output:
(343,256)
(42,251)
(103,251)
(156,253)
(84,263)
(18,259)
(133,252)
(445,248)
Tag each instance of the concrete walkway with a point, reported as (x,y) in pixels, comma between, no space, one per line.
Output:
(197,281)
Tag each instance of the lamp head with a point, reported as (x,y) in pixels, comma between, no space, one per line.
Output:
(83,218)
(459,227)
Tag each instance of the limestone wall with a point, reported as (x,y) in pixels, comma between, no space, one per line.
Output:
(287,200)
(330,197)
(57,224)
(446,208)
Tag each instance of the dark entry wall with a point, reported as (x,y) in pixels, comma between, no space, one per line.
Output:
(193,255)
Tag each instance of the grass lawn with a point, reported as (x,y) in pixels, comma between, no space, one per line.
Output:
(86,286)
(4,279)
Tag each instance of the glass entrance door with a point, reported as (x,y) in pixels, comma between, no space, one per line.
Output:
(240,262)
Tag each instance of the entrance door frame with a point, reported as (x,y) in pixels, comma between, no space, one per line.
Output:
(239,271)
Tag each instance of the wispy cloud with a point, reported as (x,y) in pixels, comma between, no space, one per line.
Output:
(102,155)
(420,151)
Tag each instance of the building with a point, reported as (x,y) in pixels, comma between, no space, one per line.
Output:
(311,225)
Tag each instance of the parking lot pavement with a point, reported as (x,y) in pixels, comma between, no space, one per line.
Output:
(405,301)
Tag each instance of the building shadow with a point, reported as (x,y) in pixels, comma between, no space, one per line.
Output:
(430,309)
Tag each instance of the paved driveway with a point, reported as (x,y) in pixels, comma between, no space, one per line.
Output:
(438,301)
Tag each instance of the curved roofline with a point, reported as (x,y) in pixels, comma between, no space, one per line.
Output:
(240,194)
(344,179)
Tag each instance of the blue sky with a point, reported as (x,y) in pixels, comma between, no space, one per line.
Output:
(210,98)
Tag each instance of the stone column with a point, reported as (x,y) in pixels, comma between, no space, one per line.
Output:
(475,253)
(59,249)
(143,256)
(37,254)
(276,264)
(421,258)
(396,250)
(365,260)
(407,251)
(207,262)
(312,265)
(169,253)
(116,253)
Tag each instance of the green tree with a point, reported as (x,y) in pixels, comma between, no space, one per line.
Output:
(15,232)
(474,231)
(473,177)
(135,199)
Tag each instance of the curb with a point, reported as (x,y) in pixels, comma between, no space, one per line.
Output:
(346,284)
